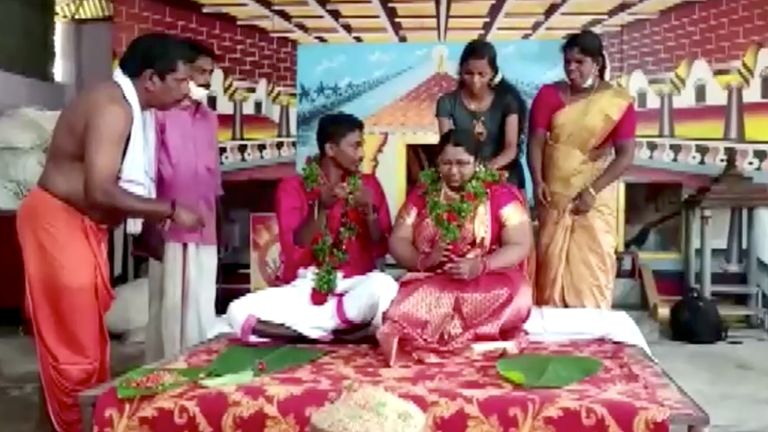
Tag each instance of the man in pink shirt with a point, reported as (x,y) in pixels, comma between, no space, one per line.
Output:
(182,278)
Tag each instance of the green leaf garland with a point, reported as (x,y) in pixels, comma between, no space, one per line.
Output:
(328,250)
(449,218)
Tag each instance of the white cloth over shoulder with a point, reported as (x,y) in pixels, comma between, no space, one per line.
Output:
(547,324)
(358,300)
(138,171)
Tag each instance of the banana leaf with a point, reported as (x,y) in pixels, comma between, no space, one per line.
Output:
(232,379)
(261,360)
(547,371)
(235,365)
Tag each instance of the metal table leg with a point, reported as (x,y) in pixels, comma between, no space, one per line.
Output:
(706,253)
(690,246)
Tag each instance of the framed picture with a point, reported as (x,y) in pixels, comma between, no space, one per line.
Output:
(265,251)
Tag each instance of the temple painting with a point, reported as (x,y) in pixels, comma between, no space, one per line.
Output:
(394,88)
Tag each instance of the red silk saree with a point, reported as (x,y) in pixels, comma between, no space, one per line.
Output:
(435,314)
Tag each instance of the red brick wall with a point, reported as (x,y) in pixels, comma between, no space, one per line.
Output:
(246,51)
(715,30)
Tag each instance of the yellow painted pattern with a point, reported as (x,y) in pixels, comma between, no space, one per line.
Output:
(83,10)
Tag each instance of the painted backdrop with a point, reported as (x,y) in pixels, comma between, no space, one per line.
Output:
(394,88)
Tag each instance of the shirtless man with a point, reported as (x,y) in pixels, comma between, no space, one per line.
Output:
(62,224)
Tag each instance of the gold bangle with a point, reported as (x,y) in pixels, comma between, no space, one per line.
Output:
(591,190)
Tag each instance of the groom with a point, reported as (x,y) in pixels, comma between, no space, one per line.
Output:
(362,293)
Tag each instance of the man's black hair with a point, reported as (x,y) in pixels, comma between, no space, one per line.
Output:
(158,52)
(200,49)
(332,128)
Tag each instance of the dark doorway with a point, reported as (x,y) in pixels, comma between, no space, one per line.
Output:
(418,158)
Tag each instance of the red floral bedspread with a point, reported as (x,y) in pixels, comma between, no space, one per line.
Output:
(630,393)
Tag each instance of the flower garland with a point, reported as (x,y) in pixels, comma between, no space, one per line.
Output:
(449,218)
(328,250)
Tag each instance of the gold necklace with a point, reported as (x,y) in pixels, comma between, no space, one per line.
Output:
(478,118)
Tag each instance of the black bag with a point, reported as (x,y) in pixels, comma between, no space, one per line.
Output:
(695,319)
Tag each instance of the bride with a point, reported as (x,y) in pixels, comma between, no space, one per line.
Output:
(465,237)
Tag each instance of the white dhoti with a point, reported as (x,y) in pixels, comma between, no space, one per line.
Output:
(358,300)
(182,299)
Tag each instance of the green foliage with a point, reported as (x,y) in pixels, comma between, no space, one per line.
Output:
(449,218)
(328,251)
(235,365)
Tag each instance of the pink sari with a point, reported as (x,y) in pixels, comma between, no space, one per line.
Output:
(435,314)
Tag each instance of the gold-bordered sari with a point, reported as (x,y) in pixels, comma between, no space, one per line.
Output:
(434,313)
(576,264)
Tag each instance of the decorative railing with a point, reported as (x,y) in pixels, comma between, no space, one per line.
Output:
(252,153)
(688,154)
(701,153)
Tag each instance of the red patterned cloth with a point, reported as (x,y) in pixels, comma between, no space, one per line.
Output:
(630,393)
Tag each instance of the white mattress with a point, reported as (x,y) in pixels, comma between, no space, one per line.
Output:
(555,325)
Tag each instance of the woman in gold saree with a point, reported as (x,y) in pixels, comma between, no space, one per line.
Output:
(582,140)
(465,236)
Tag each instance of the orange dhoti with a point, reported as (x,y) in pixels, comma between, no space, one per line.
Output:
(68,294)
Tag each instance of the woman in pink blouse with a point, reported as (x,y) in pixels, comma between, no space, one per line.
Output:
(582,140)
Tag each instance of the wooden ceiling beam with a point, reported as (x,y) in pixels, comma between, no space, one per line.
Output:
(618,10)
(387,15)
(337,6)
(333,16)
(496,14)
(441,6)
(621,10)
(554,10)
(280,17)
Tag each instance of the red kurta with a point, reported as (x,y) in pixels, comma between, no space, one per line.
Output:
(294,203)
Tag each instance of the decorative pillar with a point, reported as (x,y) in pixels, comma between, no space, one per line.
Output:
(706,253)
(237,120)
(732,262)
(690,245)
(284,121)
(734,114)
(734,131)
(666,123)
